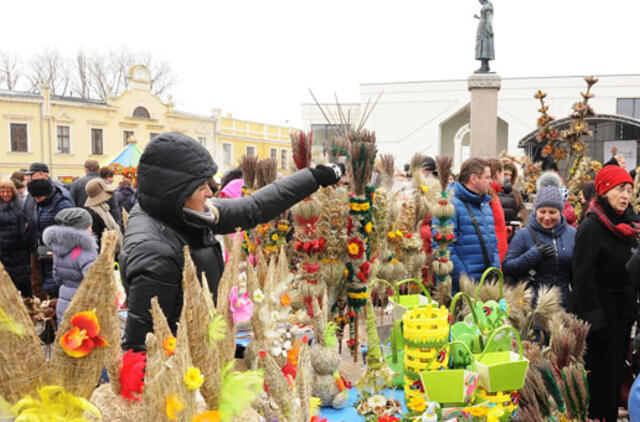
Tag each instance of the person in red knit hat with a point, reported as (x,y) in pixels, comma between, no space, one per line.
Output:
(603,293)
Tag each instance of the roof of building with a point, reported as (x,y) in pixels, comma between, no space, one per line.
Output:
(37,95)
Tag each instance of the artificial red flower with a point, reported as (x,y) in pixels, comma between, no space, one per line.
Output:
(355,248)
(317,419)
(132,375)
(388,419)
(83,337)
(408,235)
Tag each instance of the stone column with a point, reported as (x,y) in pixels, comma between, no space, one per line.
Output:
(484,89)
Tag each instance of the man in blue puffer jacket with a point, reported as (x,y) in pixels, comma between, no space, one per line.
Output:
(50,199)
(471,201)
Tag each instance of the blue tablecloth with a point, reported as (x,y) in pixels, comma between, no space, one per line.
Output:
(349,414)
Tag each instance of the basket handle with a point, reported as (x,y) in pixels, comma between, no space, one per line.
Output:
(410,280)
(465,296)
(493,334)
(375,282)
(455,342)
(484,277)
(396,331)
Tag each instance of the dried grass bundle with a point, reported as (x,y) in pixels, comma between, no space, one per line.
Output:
(519,298)
(338,147)
(249,165)
(534,394)
(267,171)
(97,292)
(568,339)
(199,315)
(362,155)
(230,278)
(444,164)
(415,164)
(301,144)
(442,293)
(22,363)
(533,352)
(574,387)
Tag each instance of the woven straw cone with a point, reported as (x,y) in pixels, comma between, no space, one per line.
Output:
(160,325)
(198,316)
(22,363)
(304,382)
(278,387)
(114,408)
(163,378)
(96,292)
(227,346)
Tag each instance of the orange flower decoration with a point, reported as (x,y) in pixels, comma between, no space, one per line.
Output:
(173,406)
(169,345)
(210,416)
(285,300)
(83,337)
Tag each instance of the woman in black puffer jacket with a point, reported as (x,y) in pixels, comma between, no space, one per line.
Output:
(15,240)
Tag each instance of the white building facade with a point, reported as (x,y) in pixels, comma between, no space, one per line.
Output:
(432,117)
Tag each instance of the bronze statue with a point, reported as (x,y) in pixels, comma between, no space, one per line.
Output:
(485,50)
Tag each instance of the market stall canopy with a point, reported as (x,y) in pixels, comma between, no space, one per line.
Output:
(126,162)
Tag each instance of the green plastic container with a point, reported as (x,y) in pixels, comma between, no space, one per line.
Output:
(500,371)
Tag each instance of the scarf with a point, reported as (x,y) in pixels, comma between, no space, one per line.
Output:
(103,212)
(496,187)
(626,230)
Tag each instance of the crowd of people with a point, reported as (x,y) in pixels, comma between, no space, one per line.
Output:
(49,237)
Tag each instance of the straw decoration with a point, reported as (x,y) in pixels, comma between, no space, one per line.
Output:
(444,164)
(249,164)
(362,155)
(301,144)
(22,363)
(266,172)
(97,293)
(198,307)
(230,277)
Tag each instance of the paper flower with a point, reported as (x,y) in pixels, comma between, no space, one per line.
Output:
(193,378)
(132,375)
(285,300)
(355,248)
(83,337)
(209,416)
(173,405)
(417,403)
(169,345)
(241,306)
(258,296)
(377,401)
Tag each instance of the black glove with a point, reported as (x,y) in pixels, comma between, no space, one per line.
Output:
(547,250)
(326,175)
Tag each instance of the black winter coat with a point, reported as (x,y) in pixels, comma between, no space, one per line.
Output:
(171,168)
(604,296)
(512,205)
(15,245)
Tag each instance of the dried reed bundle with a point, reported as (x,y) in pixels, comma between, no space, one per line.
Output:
(362,155)
(519,298)
(304,381)
(549,304)
(230,277)
(568,339)
(533,352)
(574,387)
(22,363)
(415,164)
(267,171)
(199,315)
(301,144)
(442,293)
(249,164)
(97,292)
(444,164)
(385,167)
(337,147)
(534,394)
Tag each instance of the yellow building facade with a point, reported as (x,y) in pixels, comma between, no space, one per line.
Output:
(64,131)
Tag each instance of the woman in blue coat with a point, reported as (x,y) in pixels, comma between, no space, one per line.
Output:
(543,250)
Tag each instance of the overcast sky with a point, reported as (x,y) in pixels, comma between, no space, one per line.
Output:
(256,59)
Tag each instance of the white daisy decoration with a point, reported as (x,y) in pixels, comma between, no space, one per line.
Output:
(258,296)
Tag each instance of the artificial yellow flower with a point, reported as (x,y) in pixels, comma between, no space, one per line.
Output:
(417,403)
(392,235)
(314,405)
(209,416)
(274,237)
(169,345)
(193,378)
(368,227)
(476,411)
(365,206)
(425,189)
(398,233)
(353,248)
(173,406)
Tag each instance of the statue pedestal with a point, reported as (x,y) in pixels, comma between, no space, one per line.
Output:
(484,89)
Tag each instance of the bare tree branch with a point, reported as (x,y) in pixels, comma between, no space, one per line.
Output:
(10,70)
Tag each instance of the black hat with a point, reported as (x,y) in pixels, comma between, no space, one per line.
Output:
(40,187)
(36,167)
(429,164)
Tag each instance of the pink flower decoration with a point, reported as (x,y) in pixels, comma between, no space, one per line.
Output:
(241,307)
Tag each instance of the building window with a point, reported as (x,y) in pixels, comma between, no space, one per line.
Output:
(273,153)
(141,112)
(629,107)
(202,140)
(250,150)
(126,134)
(227,153)
(19,137)
(152,135)
(96,142)
(283,159)
(64,145)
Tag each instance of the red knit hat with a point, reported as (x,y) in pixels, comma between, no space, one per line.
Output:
(611,176)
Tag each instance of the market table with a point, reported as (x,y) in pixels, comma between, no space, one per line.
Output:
(349,414)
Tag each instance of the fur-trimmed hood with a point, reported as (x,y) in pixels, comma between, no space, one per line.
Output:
(62,240)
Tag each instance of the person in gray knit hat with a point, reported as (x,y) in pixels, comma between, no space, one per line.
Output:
(542,252)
